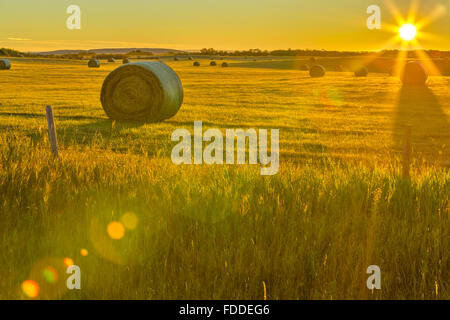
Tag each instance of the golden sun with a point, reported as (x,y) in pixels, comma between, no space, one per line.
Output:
(408,32)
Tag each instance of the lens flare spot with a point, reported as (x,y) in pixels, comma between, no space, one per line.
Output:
(30,288)
(84,252)
(68,262)
(116,230)
(50,274)
(129,220)
(408,32)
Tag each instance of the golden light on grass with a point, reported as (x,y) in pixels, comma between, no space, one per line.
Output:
(68,262)
(116,230)
(30,288)
(408,32)
(84,252)
(129,220)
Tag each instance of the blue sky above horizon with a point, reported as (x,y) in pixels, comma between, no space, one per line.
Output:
(31,25)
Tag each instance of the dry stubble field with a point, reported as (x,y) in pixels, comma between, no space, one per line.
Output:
(337,205)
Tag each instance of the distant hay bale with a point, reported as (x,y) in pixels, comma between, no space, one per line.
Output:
(142,91)
(313,60)
(21,55)
(444,67)
(5,64)
(175,59)
(414,74)
(190,58)
(391,72)
(111,60)
(126,60)
(317,71)
(94,63)
(196,64)
(225,65)
(362,72)
(304,67)
(213,64)
(340,68)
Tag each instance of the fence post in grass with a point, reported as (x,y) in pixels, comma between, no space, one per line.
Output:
(407,153)
(51,131)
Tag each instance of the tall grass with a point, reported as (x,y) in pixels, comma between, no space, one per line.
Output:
(225,232)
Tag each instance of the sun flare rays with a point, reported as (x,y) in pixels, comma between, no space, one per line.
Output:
(409,31)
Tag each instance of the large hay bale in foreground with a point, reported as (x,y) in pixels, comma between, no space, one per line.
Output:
(196,64)
(317,71)
(144,91)
(225,65)
(362,72)
(213,64)
(126,60)
(414,74)
(5,64)
(94,63)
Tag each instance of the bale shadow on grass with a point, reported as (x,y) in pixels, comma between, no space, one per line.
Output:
(105,129)
(419,108)
(101,132)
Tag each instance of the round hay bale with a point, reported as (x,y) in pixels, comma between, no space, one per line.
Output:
(213,64)
(111,60)
(362,72)
(225,65)
(126,60)
(304,67)
(145,90)
(5,64)
(190,58)
(313,60)
(175,59)
(196,64)
(94,63)
(317,71)
(414,74)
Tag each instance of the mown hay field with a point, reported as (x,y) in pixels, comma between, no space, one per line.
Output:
(338,204)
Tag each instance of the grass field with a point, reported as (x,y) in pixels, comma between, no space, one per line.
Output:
(337,205)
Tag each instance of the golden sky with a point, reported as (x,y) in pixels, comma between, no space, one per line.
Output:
(40,25)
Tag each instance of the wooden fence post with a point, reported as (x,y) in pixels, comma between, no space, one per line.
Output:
(52,131)
(407,153)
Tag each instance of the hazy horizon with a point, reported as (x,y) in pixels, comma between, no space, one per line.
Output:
(229,50)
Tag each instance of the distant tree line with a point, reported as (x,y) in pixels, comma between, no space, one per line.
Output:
(6,52)
(315,53)
(434,54)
